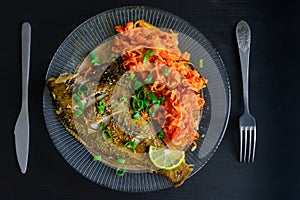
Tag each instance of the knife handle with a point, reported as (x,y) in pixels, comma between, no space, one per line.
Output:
(26,40)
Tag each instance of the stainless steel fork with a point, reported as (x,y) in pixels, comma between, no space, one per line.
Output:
(247,121)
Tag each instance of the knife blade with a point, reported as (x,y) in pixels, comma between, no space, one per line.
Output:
(22,125)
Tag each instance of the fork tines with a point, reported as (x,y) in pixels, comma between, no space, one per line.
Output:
(247,143)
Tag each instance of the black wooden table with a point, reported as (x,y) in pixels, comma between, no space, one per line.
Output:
(274,100)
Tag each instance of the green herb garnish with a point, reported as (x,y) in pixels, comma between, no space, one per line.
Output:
(76,97)
(78,113)
(94,58)
(154,99)
(80,93)
(156,106)
(201,63)
(130,145)
(107,136)
(111,56)
(80,105)
(101,126)
(141,95)
(137,85)
(161,135)
(101,107)
(146,58)
(165,71)
(123,99)
(121,160)
(97,158)
(121,171)
(146,103)
(151,113)
(83,89)
(149,78)
(148,54)
(151,52)
(131,75)
(162,99)
(152,96)
(136,115)
(137,104)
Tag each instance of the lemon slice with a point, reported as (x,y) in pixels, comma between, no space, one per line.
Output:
(166,158)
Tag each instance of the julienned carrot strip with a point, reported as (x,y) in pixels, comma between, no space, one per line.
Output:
(88,71)
(145,115)
(180,86)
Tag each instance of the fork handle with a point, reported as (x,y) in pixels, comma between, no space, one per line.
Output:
(243,35)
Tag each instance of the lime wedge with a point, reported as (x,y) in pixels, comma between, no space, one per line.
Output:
(165,158)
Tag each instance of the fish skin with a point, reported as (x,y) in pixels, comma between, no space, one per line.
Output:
(62,89)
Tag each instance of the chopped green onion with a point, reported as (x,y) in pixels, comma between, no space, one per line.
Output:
(101,103)
(131,75)
(101,126)
(93,55)
(152,96)
(111,56)
(83,88)
(151,52)
(201,63)
(76,97)
(80,93)
(78,113)
(130,145)
(136,115)
(107,136)
(137,85)
(162,99)
(123,99)
(161,135)
(156,101)
(151,113)
(146,103)
(137,105)
(148,79)
(94,58)
(81,107)
(97,158)
(142,94)
(121,171)
(156,106)
(101,107)
(165,71)
(121,160)
(146,58)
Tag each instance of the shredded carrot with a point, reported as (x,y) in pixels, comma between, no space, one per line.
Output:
(180,86)
(88,71)
(145,115)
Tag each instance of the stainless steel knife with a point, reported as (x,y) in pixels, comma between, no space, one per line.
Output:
(22,124)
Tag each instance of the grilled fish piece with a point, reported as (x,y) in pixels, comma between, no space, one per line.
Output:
(85,128)
(108,83)
(117,120)
(178,175)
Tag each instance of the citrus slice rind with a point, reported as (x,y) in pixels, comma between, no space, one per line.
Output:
(166,158)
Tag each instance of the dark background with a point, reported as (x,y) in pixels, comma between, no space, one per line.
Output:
(274,97)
